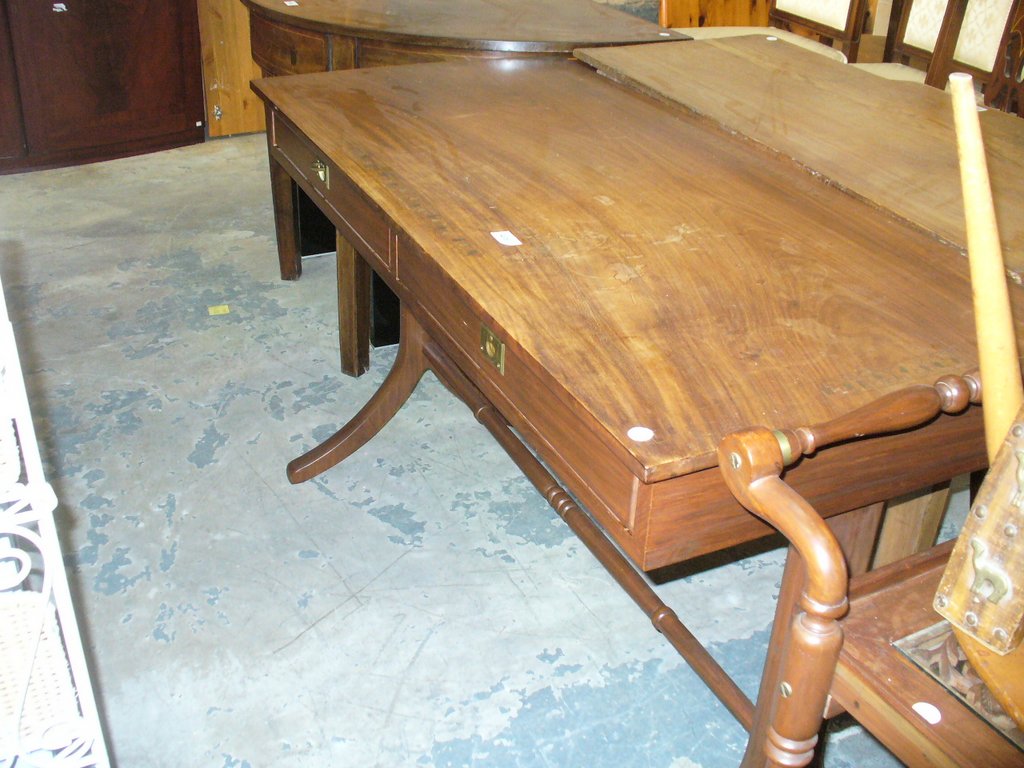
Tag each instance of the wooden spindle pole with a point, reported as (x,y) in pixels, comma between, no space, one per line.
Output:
(997,342)
(1002,394)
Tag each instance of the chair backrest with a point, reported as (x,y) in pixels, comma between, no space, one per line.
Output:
(978,42)
(969,40)
(1004,89)
(826,20)
(914,28)
(841,19)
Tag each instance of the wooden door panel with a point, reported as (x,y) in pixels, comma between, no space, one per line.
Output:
(12,135)
(100,72)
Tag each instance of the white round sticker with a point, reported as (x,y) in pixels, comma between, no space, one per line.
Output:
(929,712)
(640,434)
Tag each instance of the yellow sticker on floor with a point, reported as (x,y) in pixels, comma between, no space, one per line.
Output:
(220,309)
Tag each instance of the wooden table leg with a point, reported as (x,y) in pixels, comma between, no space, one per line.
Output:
(857,532)
(911,524)
(354,274)
(409,367)
(286,221)
(354,306)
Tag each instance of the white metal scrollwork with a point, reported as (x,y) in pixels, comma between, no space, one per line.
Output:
(48,714)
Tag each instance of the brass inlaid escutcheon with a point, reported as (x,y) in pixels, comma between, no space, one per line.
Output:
(493,349)
(322,172)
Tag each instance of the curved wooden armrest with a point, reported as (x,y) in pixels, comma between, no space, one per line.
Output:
(751,461)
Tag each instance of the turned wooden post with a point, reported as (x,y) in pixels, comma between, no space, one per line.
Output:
(752,461)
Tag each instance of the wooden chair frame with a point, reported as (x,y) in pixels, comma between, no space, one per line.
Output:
(1004,89)
(813,670)
(848,36)
(899,51)
(941,62)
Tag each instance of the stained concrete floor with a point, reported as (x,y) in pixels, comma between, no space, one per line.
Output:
(418,605)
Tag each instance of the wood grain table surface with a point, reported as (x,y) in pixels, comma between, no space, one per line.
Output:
(669,276)
(499,25)
(891,143)
(328,35)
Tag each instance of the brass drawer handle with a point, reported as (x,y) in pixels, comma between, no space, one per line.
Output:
(493,348)
(320,169)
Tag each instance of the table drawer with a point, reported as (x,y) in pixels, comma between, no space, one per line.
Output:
(380,53)
(358,220)
(281,50)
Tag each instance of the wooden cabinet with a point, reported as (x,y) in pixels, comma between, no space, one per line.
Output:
(12,134)
(85,80)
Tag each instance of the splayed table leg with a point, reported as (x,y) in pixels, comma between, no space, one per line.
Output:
(409,367)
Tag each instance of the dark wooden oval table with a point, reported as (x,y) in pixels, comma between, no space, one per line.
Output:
(324,35)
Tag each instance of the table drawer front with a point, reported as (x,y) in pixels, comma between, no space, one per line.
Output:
(364,226)
(357,220)
(282,50)
(299,155)
(377,53)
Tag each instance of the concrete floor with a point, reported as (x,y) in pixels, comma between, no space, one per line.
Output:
(418,605)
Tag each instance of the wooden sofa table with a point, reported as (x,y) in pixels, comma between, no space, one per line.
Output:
(327,35)
(619,284)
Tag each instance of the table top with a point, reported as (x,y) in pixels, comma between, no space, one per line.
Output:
(670,276)
(506,25)
(891,143)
